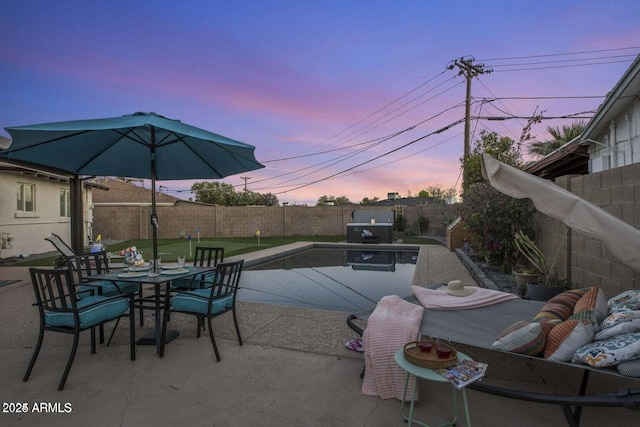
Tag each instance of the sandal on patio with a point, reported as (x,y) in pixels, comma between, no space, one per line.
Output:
(355,345)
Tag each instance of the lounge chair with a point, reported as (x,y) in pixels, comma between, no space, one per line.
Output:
(64,249)
(479,327)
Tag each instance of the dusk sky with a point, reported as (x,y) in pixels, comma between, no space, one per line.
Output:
(339,98)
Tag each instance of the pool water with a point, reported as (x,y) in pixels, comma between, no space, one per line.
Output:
(330,279)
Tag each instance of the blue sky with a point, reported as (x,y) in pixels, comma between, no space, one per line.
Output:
(297,78)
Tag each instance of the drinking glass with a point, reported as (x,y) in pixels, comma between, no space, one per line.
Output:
(181,262)
(154,267)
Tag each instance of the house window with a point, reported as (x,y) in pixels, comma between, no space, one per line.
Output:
(65,203)
(26,197)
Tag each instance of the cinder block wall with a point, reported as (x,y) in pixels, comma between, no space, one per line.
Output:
(585,260)
(132,222)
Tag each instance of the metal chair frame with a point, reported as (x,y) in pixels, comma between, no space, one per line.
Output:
(227,280)
(55,292)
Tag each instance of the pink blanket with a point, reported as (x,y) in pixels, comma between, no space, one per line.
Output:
(436,300)
(393,323)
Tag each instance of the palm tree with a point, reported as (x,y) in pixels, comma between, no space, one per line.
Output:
(560,136)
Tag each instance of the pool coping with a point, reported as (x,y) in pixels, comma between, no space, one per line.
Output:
(252,259)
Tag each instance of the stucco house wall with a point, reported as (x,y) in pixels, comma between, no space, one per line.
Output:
(28,229)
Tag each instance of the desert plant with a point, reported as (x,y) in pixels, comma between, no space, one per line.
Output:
(536,259)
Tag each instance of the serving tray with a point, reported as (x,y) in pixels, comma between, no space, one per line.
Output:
(429,360)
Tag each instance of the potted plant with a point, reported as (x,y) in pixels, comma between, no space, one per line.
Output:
(547,284)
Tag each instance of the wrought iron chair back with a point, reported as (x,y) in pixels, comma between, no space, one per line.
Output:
(61,311)
(208,303)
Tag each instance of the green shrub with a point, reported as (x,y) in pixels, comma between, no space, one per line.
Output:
(493,219)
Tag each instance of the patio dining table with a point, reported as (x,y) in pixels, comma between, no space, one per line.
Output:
(161,285)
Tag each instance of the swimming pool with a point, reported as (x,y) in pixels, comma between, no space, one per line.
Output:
(337,279)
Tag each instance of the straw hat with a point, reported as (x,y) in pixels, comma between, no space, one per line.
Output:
(456,288)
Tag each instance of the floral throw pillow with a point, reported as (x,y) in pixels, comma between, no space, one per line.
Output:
(628,300)
(628,327)
(619,317)
(600,354)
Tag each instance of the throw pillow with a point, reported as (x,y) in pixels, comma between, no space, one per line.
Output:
(570,297)
(553,311)
(522,337)
(565,338)
(618,317)
(627,300)
(600,354)
(621,328)
(594,300)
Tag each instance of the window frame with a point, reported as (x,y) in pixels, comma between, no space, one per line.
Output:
(21,202)
(66,204)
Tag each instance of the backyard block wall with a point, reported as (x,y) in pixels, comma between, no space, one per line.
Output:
(132,222)
(585,260)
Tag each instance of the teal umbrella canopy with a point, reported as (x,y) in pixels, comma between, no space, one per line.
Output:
(140,145)
(130,146)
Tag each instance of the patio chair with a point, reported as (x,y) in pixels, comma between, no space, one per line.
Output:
(211,302)
(204,257)
(61,311)
(84,265)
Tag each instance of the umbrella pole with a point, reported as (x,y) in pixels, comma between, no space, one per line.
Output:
(77,214)
(154,216)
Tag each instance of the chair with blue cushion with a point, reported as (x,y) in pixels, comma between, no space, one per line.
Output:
(84,265)
(211,302)
(204,257)
(61,311)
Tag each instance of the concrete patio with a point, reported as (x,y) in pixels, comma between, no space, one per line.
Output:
(293,370)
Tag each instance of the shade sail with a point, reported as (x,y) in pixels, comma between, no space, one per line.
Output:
(622,239)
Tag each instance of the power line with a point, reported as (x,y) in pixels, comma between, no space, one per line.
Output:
(631,57)
(379,156)
(347,156)
(545,97)
(447,127)
(561,54)
(561,66)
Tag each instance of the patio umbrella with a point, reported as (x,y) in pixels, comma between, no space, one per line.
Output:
(622,239)
(140,145)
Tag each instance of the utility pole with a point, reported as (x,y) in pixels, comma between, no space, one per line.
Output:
(246,178)
(469,70)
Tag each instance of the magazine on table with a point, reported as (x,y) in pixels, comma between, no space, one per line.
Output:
(465,372)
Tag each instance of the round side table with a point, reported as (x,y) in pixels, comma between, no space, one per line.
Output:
(429,375)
